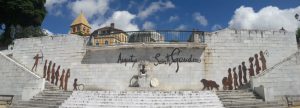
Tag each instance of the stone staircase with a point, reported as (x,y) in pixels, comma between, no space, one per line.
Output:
(143,99)
(51,97)
(245,99)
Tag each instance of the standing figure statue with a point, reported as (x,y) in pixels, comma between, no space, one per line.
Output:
(75,84)
(235,77)
(263,61)
(251,69)
(240,75)
(45,69)
(225,83)
(257,70)
(66,79)
(57,75)
(62,80)
(49,71)
(53,74)
(229,79)
(37,57)
(244,68)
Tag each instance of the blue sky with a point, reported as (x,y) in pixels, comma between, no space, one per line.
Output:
(208,15)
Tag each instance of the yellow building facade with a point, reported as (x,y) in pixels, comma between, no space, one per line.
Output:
(109,36)
(80,26)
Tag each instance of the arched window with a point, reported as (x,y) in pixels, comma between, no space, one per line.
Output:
(78,28)
(106,42)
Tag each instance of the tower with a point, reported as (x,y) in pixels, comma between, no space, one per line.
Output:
(80,26)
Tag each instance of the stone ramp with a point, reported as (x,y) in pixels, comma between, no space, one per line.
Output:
(145,99)
(245,99)
(51,97)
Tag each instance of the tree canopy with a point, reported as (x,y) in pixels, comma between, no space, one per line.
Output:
(24,13)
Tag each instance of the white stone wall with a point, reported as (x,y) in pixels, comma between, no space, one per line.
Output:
(282,80)
(17,80)
(97,68)
(229,48)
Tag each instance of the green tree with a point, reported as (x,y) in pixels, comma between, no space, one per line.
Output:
(24,13)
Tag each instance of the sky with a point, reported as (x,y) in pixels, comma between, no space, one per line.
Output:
(204,15)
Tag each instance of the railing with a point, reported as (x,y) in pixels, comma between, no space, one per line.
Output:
(159,36)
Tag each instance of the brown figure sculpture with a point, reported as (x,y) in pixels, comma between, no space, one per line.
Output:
(235,77)
(49,71)
(251,69)
(229,79)
(62,80)
(45,69)
(57,75)
(209,84)
(66,79)
(225,83)
(244,68)
(257,70)
(75,84)
(263,61)
(53,74)
(36,58)
(240,75)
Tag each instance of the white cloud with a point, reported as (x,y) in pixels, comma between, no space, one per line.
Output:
(181,27)
(123,20)
(148,25)
(154,7)
(268,18)
(200,19)
(90,8)
(53,6)
(216,27)
(173,18)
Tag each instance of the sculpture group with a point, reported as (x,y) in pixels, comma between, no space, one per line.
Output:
(235,80)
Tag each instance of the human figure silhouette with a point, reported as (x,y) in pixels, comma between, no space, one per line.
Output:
(66,79)
(251,69)
(263,61)
(75,84)
(57,75)
(244,68)
(62,80)
(229,79)
(257,66)
(53,74)
(225,83)
(45,69)
(36,58)
(240,75)
(235,77)
(49,71)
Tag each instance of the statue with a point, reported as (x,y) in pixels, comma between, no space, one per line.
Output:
(244,68)
(37,57)
(251,69)
(66,79)
(263,61)
(75,84)
(48,71)
(209,84)
(45,69)
(53,74)
(235,77)
(143,70)
(257,70)
(225,83)
(240,75)
(57,75)
(229,79)
(62,80)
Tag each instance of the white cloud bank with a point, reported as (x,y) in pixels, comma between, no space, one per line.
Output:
(148,25)
(200,19)
(154,7)
(90,8)
(267,18)
(53,6)
(123,20)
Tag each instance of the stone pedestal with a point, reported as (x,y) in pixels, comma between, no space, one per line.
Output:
(144,81)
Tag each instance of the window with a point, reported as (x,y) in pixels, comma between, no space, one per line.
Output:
(106,42)
(78,28)
(74,30)
(83,28)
